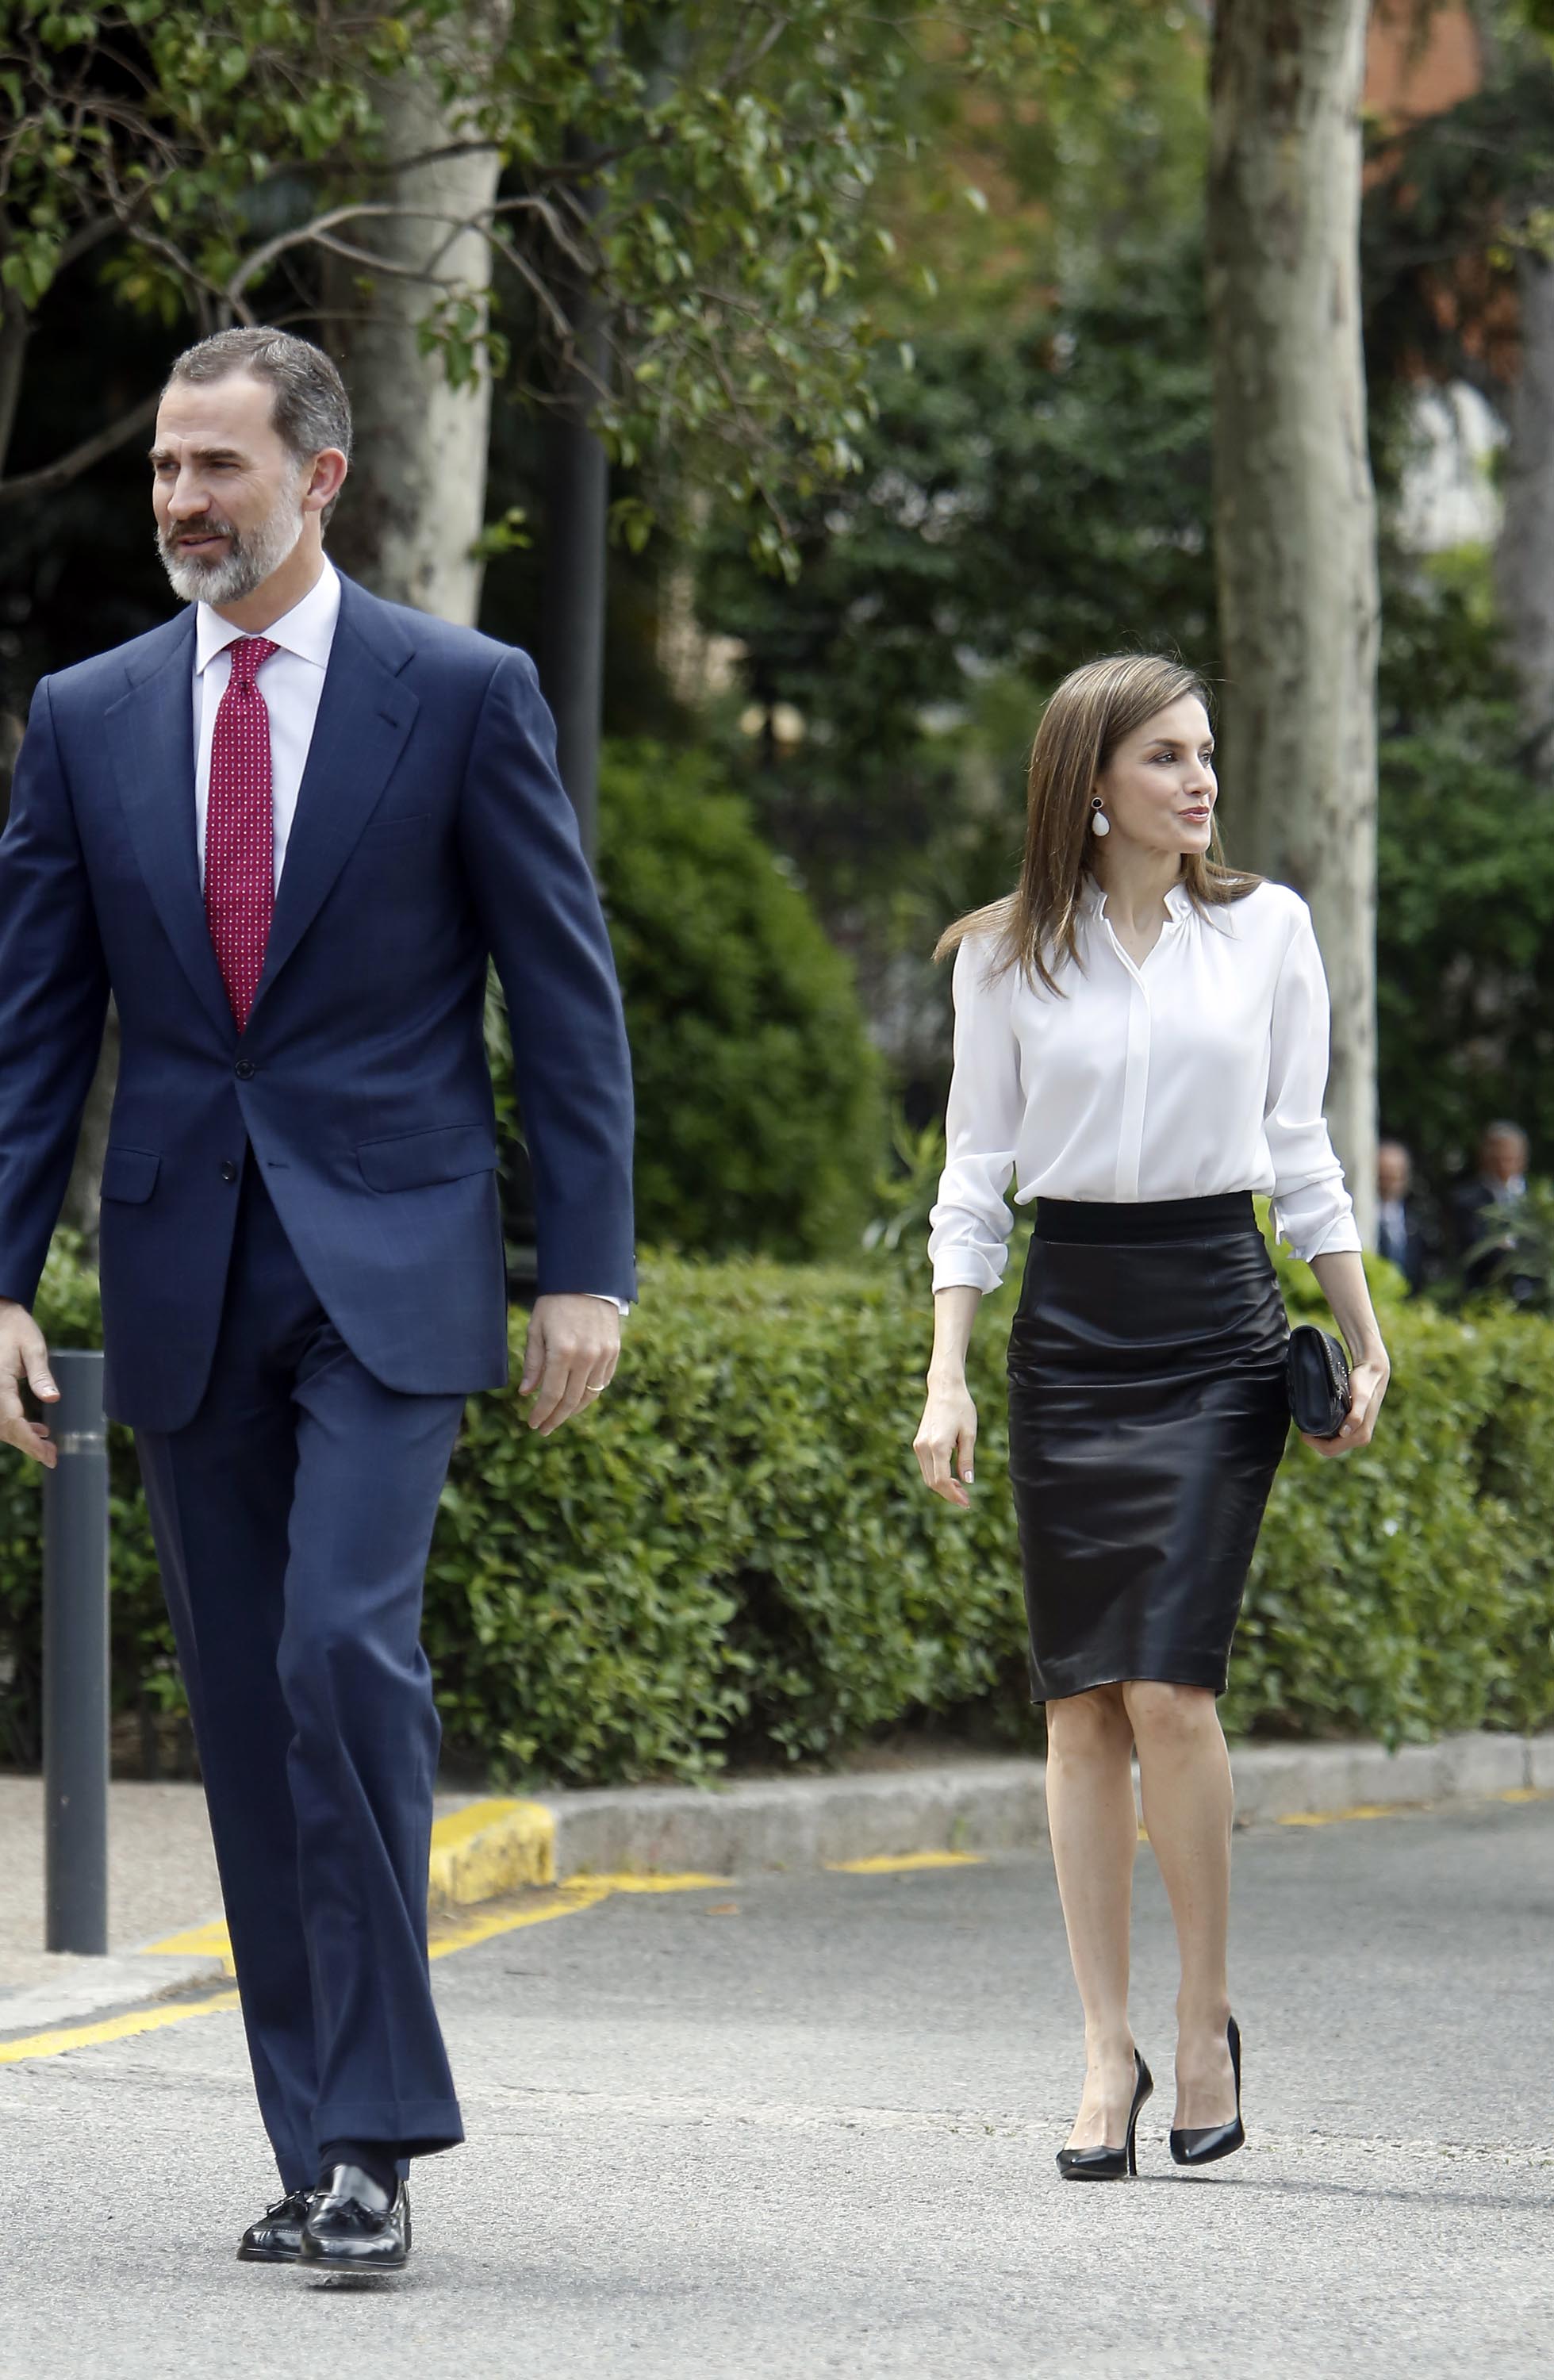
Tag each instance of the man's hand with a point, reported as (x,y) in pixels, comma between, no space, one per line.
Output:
(574,1345)
(24,1357)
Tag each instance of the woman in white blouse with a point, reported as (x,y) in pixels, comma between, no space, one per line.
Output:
(1141,1042)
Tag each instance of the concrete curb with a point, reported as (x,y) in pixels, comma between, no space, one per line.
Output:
(987,1805)
(488,1848)
(123,1979)
(478,1850)
(483,1848)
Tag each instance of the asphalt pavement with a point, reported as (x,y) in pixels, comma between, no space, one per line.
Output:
(798,2125)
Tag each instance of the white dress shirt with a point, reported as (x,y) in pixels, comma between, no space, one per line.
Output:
(1201,1071)
(291,681)
(292,684)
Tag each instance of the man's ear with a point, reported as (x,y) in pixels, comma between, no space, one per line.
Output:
(325,480)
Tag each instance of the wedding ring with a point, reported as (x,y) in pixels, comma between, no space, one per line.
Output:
(597,1389)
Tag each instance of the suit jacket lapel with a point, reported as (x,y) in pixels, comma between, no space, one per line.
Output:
(364,718)
(150,735)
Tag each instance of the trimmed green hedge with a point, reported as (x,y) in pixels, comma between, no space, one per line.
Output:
(733,1552)
(761,1110)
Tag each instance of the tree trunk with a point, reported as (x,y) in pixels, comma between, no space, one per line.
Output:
(415,504)
(577,556)
(1294,515)
(1524,554)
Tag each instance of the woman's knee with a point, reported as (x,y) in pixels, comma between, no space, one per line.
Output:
(1081,1726)
(1165,1714)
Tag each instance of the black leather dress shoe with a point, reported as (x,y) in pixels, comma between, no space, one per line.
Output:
(276,2238)
(353,2227)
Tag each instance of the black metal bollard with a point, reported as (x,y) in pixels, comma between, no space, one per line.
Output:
(76,1660)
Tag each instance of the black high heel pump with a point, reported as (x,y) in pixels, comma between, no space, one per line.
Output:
(1205,2144)
(1111,2164)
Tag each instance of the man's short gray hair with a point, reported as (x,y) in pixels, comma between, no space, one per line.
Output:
(310,408)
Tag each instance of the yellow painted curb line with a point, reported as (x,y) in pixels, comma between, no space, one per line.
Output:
(580,1892)
(899,1864)
(201,1942)
(1343,1817)
(688,1880)
(566,1899)
(476,1854)
(1400,1809)
(112,2028)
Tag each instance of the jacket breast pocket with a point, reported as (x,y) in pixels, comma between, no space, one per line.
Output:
(129,1174)
(402,827)
(414,1160)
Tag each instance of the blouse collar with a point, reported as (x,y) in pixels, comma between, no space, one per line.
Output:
(1092,900)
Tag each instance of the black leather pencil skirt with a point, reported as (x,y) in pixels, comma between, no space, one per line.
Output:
(1148,1414)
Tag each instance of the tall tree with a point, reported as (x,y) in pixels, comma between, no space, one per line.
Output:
(405,305)
(1524,551)
(1458,252)
(1518,36)
(1294,513)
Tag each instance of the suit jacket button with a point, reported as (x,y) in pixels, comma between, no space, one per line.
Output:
(228,1170)
(244,1069)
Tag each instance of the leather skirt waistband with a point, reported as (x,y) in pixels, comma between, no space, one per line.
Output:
(1228,1215)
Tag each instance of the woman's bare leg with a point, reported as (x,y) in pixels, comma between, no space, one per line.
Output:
(1184,1772)
(1094,1835)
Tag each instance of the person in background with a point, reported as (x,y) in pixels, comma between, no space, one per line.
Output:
(1485,1213)
(1403,1234)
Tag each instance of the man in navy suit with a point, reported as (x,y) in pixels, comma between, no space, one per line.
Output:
(1403,1235)
(287,833)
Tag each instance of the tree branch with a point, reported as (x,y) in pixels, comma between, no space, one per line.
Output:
(543,294)
(316,235)
(15,330)
(65,468)
(387,267)
(89,236)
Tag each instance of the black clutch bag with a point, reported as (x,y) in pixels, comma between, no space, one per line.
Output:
(1317,1375)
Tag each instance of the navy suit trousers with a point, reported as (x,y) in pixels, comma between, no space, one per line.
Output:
(292,1518)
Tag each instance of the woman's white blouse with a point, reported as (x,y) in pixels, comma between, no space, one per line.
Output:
(1201,1071)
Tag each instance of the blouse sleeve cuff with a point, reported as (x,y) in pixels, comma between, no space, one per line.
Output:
(969,1269)
(1314,1222)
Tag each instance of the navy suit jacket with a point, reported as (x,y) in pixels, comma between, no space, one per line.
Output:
(431,834)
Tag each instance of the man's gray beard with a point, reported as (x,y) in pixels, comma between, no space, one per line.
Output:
(251,556)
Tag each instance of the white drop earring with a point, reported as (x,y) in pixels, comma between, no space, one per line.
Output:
(1100,823)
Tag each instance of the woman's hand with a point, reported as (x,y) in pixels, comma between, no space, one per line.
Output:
(947,1429)
(1340,1276)
(1368,1386)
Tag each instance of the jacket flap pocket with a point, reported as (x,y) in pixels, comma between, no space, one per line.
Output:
(129,1174)
(398,822)
(414,1160)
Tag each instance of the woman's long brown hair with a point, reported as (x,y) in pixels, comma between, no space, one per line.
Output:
(1093,710)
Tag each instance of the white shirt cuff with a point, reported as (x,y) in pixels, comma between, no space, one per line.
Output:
(1317,1221)
(968,1269)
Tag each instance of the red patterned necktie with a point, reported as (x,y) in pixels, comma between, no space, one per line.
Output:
(240,828)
